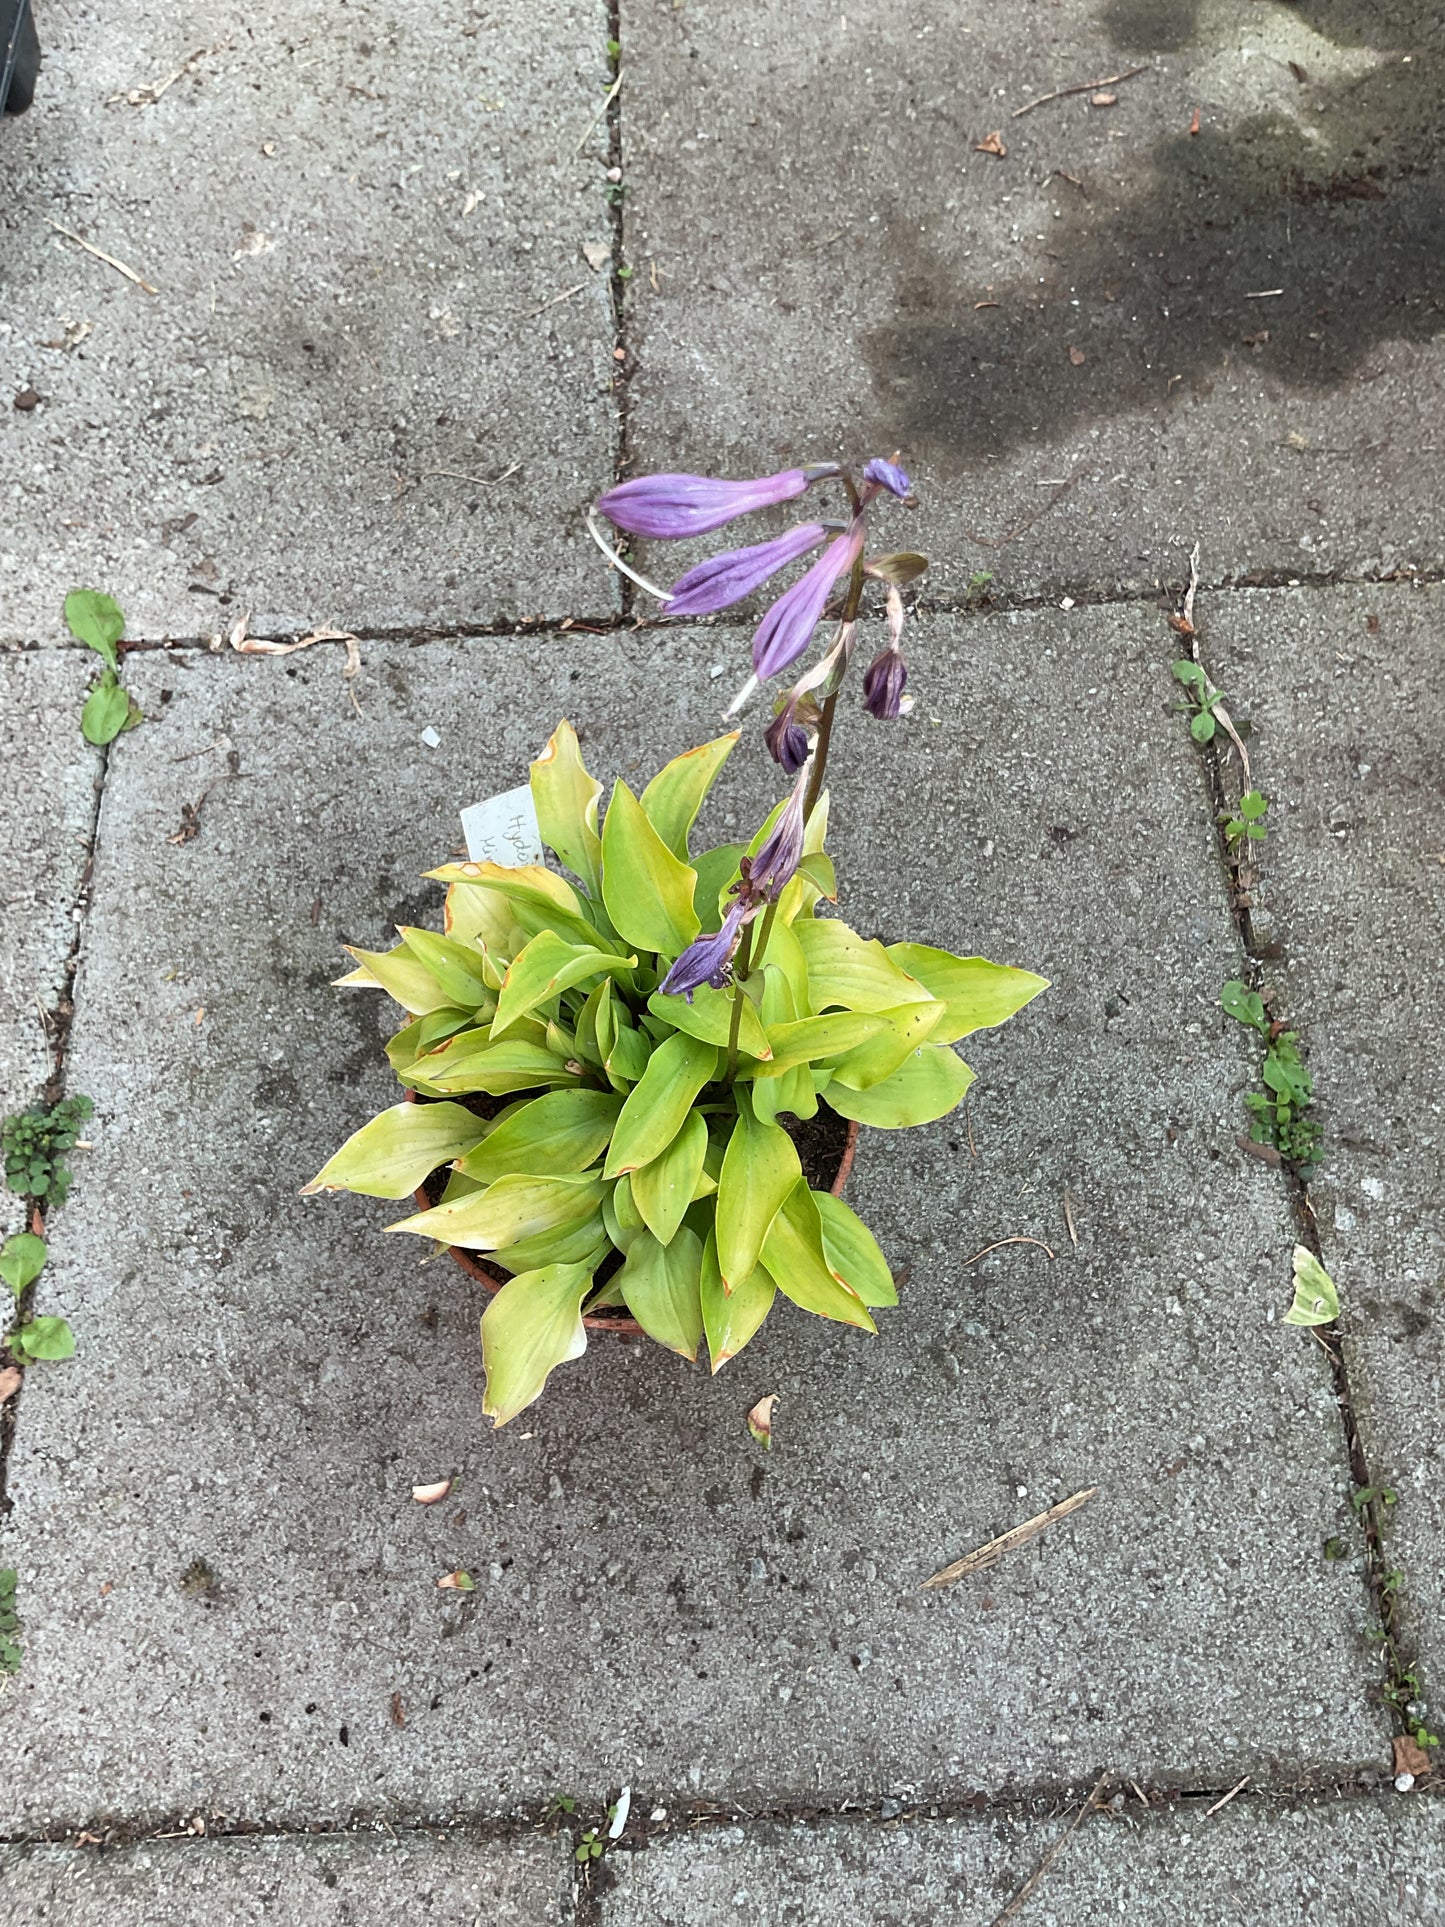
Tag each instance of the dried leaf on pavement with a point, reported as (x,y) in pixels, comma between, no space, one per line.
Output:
(760,1421)
(9,1383)
(992,144)
(1410,1756)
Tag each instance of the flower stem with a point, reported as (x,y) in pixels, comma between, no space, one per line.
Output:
(825,722)
(745,953)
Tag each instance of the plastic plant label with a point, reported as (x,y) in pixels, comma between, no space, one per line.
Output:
(503,829)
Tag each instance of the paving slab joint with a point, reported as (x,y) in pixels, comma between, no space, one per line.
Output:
(1399,1647)
(58,1022)
(622,363)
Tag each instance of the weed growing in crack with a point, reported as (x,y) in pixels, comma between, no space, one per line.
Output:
(10,1653)
(1202,698)
(98,621)
(1278,1110)
(1245,822)
(21,1262)
(33,1144)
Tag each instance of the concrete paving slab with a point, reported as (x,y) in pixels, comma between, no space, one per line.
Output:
(357,229)
(47,801)
(1348,1864)
(1065,342)
(1345,690)
(223,1578)
(291,1882)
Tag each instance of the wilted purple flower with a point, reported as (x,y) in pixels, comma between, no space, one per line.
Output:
(888,475)
(787,741)
(784,632)
(727,578)
(708,960)
(765,875)
(884,681)
(675,505)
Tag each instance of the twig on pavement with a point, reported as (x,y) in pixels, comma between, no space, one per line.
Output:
(1082,87)
(1052,1855)
(101,255)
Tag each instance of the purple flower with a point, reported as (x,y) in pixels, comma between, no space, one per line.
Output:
(884,681)
(787,741)
(784,632)
(765,875)
(708,960)
(727,578)
(889,476)
(677,505)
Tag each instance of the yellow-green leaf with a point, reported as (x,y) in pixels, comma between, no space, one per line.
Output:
(811,1039)
(569,1244)
(456,966)
(648,891)
(402,975)
(731,1318)
(389,1157)
(565,798)
(506,1212)
(533,1324)
(657,1104)
(709,1016)
(716,869)
(926,1085)
(543,969)
(483,918)
(472,1062)
(846,969)
(793,1254)
(664,1188)
(909,1025)
(1316,1301)
(524,883)
(979,994)
(760,1169)
(621,1215)
(660,1287)
(552,1136)
(675,795)
(852,1252)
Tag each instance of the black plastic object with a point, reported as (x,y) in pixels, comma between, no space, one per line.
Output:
(19,56)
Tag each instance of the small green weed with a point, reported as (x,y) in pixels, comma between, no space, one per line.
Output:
(21,1262)
(33,1144)
(614,51)
(1279,1109)
(10,1654)
(590,1847)
(978,584)
(1245,822)
(1202,695)
(97,620)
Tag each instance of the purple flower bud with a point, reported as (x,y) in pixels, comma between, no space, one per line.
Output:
(708,960)
(783,634)
(677,505)
(884,681)
(787,741)
(765,875)
(727,578)
(890,476)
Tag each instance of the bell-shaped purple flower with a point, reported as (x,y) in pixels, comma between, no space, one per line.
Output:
(708,960)
(765,875)
(890,476)
(725,579)
(668,506)
(787,741)
(884,681)
(784,632)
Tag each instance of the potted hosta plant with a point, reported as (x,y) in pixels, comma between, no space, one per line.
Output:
(632,1090)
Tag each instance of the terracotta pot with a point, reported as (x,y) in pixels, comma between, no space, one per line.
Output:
(611,1318)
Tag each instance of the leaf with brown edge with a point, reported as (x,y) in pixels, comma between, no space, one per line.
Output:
(760,1421)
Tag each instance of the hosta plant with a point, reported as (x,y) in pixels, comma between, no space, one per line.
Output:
(610,1068)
